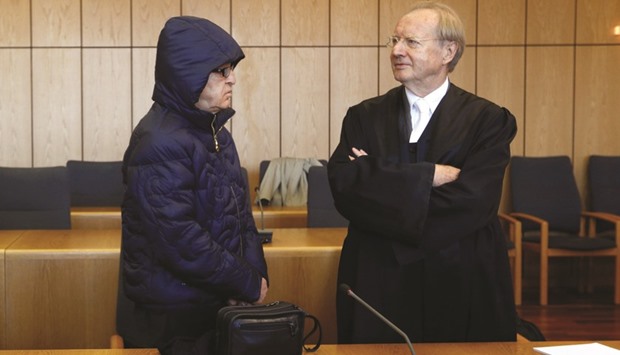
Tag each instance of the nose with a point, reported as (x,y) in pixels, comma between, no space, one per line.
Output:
(232,78)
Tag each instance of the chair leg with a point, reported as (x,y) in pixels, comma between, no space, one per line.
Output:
(544,278)
(116,342)
(517,274)
(617,281)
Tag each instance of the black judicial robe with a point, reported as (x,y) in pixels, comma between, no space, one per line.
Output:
(432,260)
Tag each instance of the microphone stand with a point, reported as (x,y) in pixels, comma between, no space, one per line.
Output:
(346,289)
(265,234)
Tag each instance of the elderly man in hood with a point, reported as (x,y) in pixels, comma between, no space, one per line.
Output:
(189,242)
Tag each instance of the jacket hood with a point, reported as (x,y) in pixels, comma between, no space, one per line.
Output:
(188,50)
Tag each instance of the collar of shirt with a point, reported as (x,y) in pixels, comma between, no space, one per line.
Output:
(433,98)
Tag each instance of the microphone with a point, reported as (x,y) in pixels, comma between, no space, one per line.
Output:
(347,290)
(265,234)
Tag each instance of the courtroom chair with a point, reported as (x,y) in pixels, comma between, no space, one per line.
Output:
(264,167)
(604,189)
(34,198)
(512,230)
(546,200)
(321,209)
(96,183)
(116,342)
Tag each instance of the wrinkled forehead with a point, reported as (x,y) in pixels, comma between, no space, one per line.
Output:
(422,23)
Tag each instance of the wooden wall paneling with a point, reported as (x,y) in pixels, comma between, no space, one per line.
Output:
(354,22)
(15,108)
(305,22)
(305,108)
(464,75)
(256,125)
(142,81)
(549,96)
(501,22)
(596,20)
(550,21)
(466,9)
(14,23)
(106,23)
(57,105)
(149,17)
(597,108)
(353,79)
(107,103)
(256,23)
(56,23)
(500,77)
(386,77)
(217,11)
(390,11)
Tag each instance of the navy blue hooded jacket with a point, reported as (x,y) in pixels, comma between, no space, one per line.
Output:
(188,233)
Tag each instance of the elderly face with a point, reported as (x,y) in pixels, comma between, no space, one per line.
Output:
(217,94)
(419,58)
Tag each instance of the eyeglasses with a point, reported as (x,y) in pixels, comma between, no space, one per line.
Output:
(225,72)
(412,43)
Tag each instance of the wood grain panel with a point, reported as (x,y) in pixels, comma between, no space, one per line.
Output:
(305,108)
(217,11)
(106,23)
(256,23)
(550,22)
(107,103)
(14,23)
(390,11)
(386,77)
(501,22)
(354,22)
(500,76)
(355,79)
(466,9)
(305,22)
(596,20)
(256,125)
(62,289)
(143,81)
(15,108)
(56,23)
(597,108)
(549,96)
(6,238)
(149,17)
(56,106)
(464,75)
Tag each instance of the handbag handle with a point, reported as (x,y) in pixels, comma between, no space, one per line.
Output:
(317,325)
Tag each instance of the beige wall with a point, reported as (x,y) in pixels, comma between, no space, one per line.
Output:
(77,75)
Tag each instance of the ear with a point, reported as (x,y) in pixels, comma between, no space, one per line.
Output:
(449,51)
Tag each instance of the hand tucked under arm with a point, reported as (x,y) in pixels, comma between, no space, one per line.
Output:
(445,174)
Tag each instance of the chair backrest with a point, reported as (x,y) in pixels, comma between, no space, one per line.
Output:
(34,198)
(321,209)
(96,183)
(546,187)
(604,183)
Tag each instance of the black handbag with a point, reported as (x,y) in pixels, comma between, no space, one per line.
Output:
(274,328)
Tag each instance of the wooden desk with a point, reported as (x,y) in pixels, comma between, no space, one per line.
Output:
(110,217)
(7,237)
(303,269)
(82,352)
(61,285)
(448,348)
(61,289)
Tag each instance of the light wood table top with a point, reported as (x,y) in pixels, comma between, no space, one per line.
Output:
(110,217)
(497,348)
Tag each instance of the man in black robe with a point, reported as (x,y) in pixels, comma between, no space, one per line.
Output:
(424,244)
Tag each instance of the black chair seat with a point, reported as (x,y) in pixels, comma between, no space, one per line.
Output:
(570,242)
